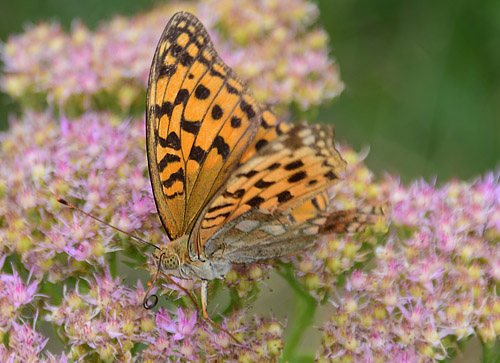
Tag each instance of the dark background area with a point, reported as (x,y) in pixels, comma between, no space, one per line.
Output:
(422,77)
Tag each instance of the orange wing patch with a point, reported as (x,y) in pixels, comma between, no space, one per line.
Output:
(200,120)
(270,128)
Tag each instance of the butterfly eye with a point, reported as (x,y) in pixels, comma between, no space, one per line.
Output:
(171,262)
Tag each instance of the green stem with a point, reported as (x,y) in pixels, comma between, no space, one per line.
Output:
(234,303)
(496,357)
(305,311)
(113,262)
(488,352)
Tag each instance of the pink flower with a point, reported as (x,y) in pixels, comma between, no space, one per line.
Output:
(181,328)
(18,292)
(25,342)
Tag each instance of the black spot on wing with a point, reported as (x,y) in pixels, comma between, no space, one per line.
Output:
(248,109)
(201,92)
(284,196)
(221,146)
(217,112)
(273,166)
(235,122)
(182,97)
(218,207)
(331,175)
(297,177)
(238,194)
(260,144)
(186,60)
(255,202)
(165,109)
(215,217)
(175,50)
(261,184)
(167,71)
(294,165)
(247,175)
(177,176)
(172,141)
(167,159)
(173,196)
(231,90)
(264,124)
(203,60)
(193,127)
(214,73)
(197,154)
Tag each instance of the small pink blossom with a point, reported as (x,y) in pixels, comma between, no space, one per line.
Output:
(18,292)
(181,328)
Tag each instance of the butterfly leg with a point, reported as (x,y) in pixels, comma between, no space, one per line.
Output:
(204,284)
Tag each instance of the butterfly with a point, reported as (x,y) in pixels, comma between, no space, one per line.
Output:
(232,184)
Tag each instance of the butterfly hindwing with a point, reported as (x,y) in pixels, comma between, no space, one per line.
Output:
(200,120)
(258,235)
(270,128)
(285,174)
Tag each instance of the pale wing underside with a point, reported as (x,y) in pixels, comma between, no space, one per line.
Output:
(258,235)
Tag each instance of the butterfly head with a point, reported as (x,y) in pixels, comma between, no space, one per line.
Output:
(167,258)
(168,261)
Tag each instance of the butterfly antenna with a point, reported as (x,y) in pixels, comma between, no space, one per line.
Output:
(64,202)
(146,303)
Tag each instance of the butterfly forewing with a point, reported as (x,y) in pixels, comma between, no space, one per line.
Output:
(200,120)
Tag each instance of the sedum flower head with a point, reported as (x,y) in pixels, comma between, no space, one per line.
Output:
(434,282)
(44,160)
(99,317)
(283,59)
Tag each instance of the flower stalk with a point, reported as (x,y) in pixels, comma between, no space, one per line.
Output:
(305,307)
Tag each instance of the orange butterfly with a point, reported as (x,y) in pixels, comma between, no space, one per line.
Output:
(231,184)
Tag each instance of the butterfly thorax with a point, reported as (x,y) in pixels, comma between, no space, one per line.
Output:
(175,260)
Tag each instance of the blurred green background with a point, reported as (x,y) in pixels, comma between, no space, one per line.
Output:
(422,77)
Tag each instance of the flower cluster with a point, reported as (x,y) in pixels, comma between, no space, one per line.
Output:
(23,343)
(435,281)
(109,322)
(183,337)
(79,159)
(102,162)
(319,268)
(283,60)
